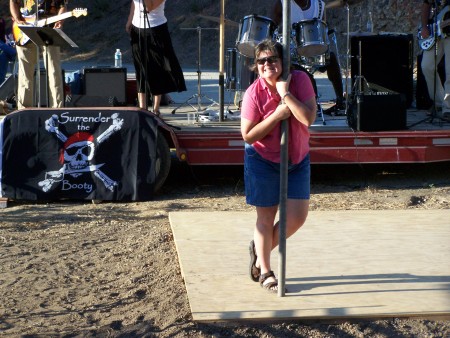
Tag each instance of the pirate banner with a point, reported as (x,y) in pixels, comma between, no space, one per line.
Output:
(100,154)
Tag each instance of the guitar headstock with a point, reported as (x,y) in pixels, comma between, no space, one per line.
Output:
(77,12)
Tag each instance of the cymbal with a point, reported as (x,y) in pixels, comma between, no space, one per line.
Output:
(216,19)
(341,3)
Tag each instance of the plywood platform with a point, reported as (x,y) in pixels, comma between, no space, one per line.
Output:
(341,264)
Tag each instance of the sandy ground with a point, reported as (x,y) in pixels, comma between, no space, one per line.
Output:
(77,269)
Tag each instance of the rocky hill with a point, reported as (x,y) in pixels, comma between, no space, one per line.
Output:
(103,29)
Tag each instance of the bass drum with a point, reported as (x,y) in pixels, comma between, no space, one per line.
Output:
(238,74)
(245,76)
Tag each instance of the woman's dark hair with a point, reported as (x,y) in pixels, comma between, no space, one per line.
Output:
(267,45)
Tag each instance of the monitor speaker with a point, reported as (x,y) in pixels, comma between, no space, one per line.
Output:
(106,82)
(377,110)
(387,60)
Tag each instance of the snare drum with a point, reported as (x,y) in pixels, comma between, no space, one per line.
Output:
(252,30)
(245,76)
(311,37)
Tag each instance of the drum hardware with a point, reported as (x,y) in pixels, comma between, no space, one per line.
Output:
(346,4)
(199,94)
(358,90)
(230,60)
(360,81)
(341,3)
(228,22)
(320,110)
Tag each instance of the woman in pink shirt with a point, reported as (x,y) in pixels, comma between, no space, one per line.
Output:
(267,102)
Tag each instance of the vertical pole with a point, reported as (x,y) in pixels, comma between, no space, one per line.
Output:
(347,55)
(37,83)
(199,69)
(221,61)
(284,154)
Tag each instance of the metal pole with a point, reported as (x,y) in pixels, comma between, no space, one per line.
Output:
(347,55)
(199,70)
(284,154)
(221,62)
(37,84)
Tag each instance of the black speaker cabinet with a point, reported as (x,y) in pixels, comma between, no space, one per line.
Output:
(377,112)
(386,60)
(106,82)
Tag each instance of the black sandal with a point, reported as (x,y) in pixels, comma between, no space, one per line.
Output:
(255,272)
(268,286)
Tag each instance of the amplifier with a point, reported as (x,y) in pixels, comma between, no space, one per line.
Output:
(106,82)
(377,110)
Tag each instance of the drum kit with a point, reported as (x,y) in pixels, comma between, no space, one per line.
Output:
(310,45)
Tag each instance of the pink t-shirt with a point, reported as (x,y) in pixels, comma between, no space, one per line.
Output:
(258,103)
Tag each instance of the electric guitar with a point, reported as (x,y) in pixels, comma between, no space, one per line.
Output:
(441,28)
(21,38)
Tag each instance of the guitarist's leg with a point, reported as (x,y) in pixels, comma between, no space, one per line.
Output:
(429,67)
(27,56)
(54,73)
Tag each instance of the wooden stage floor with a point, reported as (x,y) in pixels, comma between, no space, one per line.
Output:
(341,264)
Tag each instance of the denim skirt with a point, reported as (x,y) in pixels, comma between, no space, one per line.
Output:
(262,179)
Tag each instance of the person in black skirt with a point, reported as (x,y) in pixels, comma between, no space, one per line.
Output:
(157,68)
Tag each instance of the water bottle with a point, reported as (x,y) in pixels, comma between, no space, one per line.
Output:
(118,59)
(370,23)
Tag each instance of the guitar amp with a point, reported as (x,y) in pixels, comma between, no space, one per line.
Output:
(377,109)
(106,82)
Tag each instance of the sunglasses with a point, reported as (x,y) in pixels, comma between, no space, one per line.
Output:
(269,59)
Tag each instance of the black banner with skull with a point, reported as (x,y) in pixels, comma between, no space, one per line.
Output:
(94,154)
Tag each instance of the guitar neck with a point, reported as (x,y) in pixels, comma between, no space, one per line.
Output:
(53,19)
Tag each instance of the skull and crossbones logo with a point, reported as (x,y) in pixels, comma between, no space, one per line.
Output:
(77,153)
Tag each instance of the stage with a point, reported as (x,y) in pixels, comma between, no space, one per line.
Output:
(340,265)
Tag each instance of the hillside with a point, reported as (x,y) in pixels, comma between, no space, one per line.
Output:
(103,29)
